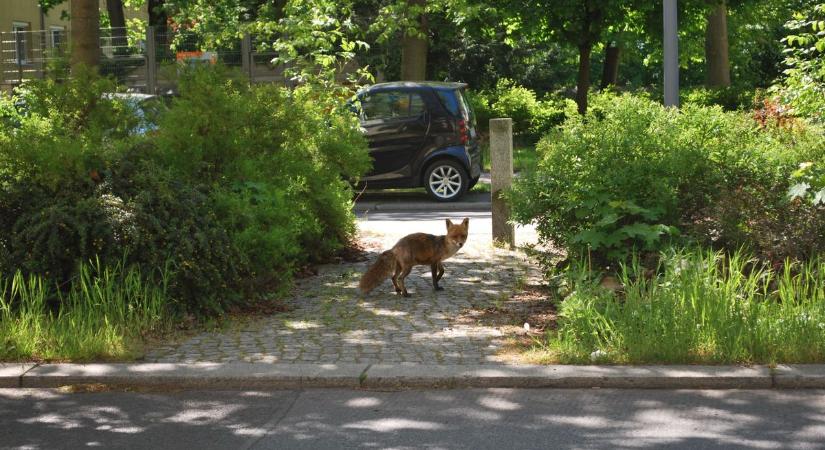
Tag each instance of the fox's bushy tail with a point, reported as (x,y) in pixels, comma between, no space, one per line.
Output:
(378,272)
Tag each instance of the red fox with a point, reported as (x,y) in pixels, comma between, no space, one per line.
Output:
(415,250)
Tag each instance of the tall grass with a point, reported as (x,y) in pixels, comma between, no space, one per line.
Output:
(102,315)
(700,307)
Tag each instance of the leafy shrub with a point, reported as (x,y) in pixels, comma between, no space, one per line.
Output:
(548,114)
(689,171)
(531,117)
(516,102)
(158,218)
(277,161)
(620,226)
(730,98)
(804,87)
(236,186)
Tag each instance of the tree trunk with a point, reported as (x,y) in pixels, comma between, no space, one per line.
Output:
(414,49)
(85,33)
(583,81)
(610,76)
(716,47)
(118,21)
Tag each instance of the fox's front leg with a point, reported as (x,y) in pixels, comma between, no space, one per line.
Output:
(437,272)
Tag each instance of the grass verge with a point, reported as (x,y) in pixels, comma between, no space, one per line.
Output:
(102,316)
(524,157)
(700,306)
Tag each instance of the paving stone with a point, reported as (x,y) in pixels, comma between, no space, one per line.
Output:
(331,322)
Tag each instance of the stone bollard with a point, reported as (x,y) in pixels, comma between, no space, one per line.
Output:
(501,177)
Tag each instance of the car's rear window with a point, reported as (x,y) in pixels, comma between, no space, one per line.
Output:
(455,103)
(450,101)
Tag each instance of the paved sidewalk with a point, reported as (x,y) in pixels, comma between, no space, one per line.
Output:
(331,323)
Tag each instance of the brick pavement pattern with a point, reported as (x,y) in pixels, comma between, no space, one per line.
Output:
(331,322)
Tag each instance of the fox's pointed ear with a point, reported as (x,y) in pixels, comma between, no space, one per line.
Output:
(466,222)
(449,223)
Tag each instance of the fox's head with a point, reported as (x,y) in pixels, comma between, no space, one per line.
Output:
(457,234)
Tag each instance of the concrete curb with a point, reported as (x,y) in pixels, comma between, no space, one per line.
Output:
(799,376)
(409,376)
(197,375)
(524,376)
(11,374)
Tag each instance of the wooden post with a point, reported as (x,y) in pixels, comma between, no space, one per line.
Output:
(501,177)
(151,61)
(246,55)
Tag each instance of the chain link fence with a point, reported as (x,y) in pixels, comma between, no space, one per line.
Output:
(142,65)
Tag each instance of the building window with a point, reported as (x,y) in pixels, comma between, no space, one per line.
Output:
(56,36)
(21,31)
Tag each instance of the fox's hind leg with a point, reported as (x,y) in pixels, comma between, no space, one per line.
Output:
(395,278)
(401,279)
(437,272)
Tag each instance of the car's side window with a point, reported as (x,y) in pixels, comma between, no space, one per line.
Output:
(392,105)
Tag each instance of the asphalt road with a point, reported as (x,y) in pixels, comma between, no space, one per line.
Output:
(471,419)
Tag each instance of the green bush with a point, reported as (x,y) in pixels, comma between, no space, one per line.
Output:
(516,102)
(531,117)
(730,98)
(804,87)
(702,174)
(236,187)
(277,161)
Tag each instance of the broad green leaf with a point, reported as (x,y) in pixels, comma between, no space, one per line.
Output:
(592,238)
(819,198)
(798,190)
(608,219)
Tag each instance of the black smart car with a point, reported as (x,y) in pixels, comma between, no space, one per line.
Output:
(420,134)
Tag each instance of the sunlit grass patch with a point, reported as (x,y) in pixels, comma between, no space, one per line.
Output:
(698,307)
(103,315)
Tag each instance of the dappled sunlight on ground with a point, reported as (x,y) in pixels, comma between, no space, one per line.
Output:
(481,418)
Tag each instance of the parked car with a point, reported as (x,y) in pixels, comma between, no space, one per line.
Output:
(420,134)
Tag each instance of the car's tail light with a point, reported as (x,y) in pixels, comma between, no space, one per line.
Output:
(463,131)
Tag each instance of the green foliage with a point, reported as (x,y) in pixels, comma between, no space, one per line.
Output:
(730,98)
(804,87)
(716,177)
(697,307)
(531,117)
(515,102)
(278,161)
(235,187)
(810,183)
(620,227)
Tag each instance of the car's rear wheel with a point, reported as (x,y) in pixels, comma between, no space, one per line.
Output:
(446,181)
(473,182)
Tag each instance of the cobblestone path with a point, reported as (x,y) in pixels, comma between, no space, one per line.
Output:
(332,323)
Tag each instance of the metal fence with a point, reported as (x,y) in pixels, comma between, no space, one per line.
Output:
(26,55)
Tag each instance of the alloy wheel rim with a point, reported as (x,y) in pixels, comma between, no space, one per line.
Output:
(445,182)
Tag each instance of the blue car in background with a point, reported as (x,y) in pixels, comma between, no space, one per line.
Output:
(420,134)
